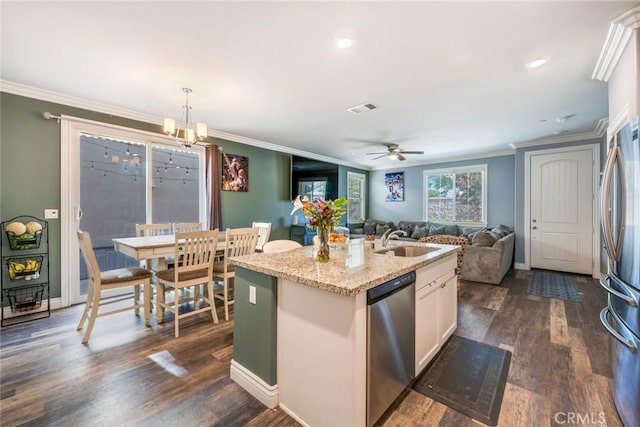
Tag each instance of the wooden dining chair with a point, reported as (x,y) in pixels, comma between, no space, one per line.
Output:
(186,227)
(264,231)
(238,242)
(153,229)
(100,281)
(274,246)
(196,251)
(143,230)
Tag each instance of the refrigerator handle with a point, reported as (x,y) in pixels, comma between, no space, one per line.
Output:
(628,298)
(611,247)
(605,322)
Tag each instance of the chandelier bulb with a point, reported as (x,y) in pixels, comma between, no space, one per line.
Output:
(187,133)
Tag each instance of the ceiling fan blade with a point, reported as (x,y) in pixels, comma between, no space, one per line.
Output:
(379,157)
(411,152)
(377,153)
(401,157)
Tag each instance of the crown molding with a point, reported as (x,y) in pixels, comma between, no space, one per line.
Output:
(498,153)
(620,32)
(73,101)
(99,107)
(598,132)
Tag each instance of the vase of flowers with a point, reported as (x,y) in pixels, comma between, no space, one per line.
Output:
(324,216)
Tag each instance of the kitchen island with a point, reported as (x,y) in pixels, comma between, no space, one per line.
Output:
(300,331)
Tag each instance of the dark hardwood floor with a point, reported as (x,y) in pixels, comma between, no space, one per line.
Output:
(132,375)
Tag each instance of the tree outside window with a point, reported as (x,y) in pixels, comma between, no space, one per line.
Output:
(456,195)
(356,197)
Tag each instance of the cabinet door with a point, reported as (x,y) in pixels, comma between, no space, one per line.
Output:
(427,331)
(448,308)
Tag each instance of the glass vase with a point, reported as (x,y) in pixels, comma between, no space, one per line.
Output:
(323,244)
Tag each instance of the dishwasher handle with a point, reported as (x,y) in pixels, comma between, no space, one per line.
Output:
(391,287)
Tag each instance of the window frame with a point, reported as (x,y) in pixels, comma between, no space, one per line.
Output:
(483,168)
(362,178)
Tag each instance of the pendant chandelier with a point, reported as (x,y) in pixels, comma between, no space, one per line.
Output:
(186,134)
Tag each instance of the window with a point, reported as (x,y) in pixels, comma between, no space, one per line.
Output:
(356,197)
(456,195)
(313,189)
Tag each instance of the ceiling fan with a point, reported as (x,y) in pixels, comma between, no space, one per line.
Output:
(394,152)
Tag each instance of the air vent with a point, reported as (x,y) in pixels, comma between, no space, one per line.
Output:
(363,108)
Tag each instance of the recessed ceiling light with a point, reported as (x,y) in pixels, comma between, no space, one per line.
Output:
(344,43)
(537,63)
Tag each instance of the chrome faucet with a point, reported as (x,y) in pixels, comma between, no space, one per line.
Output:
(388,234)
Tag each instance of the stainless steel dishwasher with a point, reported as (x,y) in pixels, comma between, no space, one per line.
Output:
(390,342)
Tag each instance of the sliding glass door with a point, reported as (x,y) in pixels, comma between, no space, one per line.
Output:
(175,185)
(119,178)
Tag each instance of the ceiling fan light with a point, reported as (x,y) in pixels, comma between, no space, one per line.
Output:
(393,156)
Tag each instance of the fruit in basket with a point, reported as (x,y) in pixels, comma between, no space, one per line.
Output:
(17,228)
(33,227)
(337,238)
(32,265)
(15,268)
(19,267)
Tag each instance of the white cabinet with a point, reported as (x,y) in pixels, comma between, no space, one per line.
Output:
(447,307)
(436,309)
(427,332)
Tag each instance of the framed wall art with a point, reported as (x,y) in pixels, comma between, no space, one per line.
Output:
(394,184)
(235,173)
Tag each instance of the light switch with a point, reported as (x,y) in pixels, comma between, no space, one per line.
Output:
(51,213)
(252,294)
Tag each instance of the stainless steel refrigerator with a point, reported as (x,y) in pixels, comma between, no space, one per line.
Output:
(620,203)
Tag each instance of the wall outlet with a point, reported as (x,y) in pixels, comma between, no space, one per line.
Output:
(252,294)
(51,213)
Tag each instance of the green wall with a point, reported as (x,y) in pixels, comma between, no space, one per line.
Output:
(254,329)
(30,172)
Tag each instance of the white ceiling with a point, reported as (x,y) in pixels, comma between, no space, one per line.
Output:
(449,78)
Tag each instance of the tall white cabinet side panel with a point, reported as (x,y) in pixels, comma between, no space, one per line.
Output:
(321,355)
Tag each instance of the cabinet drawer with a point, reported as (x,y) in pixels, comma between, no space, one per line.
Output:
(436,273)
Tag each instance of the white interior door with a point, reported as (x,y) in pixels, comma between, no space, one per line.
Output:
(561,211)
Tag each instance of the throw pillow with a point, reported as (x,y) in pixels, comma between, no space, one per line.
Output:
(419,232)
(500,231)
(436,229)
(451,229)
(408,228)
(468,231)
(381,229)
(369,227)
(483,238)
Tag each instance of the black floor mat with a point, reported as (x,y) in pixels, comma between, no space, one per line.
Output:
(468,376)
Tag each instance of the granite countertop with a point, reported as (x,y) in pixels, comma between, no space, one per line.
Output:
(352,269)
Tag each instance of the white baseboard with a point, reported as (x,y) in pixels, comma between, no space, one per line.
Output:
(56,303)
(265,393)
(519,266)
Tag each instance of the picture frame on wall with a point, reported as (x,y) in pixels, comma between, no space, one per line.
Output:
(394,186)
(235,173)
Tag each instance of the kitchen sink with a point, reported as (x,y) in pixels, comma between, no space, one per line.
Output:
(407,251)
